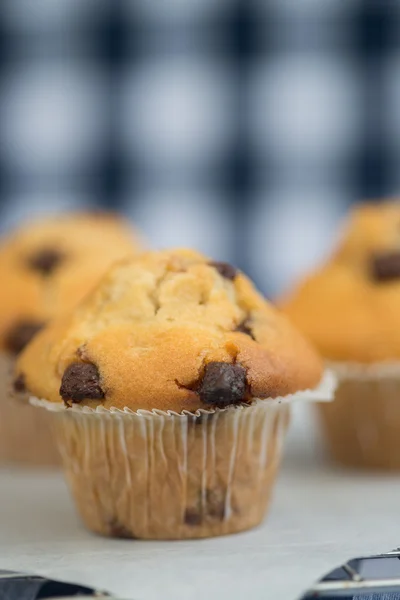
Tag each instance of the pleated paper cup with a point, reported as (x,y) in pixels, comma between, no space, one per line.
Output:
(163,475)
(362,425)
(26,438)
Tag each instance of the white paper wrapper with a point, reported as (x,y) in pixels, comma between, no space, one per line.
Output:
(362,425)
(165,475)
(26,438)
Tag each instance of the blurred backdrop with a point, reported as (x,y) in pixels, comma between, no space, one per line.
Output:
(245,128)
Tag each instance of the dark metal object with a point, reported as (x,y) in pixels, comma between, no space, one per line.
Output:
(23,586)
(367,578)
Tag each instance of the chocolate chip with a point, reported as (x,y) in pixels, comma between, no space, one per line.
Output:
(192,517)
(120,531)
(19,384)
(46,260)
(223,384)
(244,327)
(21,334)
(213,508)
(225,269)
(81,381)
(385,266)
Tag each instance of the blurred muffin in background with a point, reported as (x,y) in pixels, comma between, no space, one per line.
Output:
(170,387)
(46,267)
(350,310)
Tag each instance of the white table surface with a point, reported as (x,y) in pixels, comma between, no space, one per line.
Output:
(320,517)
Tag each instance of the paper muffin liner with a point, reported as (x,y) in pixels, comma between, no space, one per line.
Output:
(163,475)
(26,438)
(362,425)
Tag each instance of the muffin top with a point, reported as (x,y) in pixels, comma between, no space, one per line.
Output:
(349,307)
(46,267)
(173,331)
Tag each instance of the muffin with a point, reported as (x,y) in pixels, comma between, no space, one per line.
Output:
(169,388)
(46,267)
(349,310)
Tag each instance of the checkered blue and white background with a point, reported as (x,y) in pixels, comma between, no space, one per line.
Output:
(242,127)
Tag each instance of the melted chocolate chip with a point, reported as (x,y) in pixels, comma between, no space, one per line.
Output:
(81,381)
(19,384)
(225,269)
(244,327)
(21,334)
(214,508)
(120,531)
(223,384)
(46,260)
(192,517)
(385,266)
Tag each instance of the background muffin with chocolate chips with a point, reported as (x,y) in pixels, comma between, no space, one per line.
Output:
(46,267)
(169,387)
(350,311)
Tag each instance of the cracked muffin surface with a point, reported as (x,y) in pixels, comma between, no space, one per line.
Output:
(169,330)
(47,266)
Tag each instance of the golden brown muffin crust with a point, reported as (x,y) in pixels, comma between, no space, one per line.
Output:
(46,267)
(350,308)
(146,337)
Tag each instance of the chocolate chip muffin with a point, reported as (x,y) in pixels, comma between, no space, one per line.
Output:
(46,267)
(349,310)
(169,387)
